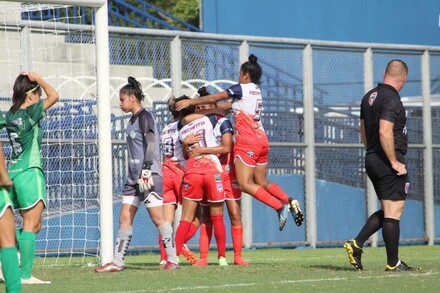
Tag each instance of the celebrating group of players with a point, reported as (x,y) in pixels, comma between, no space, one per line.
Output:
(206,161)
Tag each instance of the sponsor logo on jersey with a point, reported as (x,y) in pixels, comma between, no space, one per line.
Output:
(372,98)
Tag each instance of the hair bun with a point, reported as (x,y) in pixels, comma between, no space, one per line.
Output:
(203,91)
(252,58)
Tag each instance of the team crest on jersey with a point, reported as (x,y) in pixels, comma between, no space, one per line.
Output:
(17,122)
(185,185)
(372,98)
(250,153)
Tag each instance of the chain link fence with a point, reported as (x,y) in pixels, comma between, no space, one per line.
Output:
(178,63)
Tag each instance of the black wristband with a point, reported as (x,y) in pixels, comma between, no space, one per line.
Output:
(147,165)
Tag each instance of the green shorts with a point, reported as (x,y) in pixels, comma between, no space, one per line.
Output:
(28,189)
(5,200)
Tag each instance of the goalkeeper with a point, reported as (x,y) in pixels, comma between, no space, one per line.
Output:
(144,181)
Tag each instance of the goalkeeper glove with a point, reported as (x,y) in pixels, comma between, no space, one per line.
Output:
(146,179)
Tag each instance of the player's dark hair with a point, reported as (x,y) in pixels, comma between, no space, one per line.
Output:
(171,103)
(252,68)
(23,86)
(188,110)
(133,87)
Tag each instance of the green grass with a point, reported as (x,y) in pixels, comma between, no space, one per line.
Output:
(271,270)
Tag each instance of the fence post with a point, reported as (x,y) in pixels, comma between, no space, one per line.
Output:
(427,152)
(176,66)
(309,140)
(368,85)
(246,199)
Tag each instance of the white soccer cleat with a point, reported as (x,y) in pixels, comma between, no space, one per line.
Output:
(33,281)
(109,268)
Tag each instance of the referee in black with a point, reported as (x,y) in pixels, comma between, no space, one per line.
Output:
(383,132)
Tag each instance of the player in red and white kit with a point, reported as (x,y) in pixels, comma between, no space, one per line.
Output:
(173,168)
(251,144)
(223,132)
(202,181)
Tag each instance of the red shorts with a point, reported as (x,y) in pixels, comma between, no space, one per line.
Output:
(230,184)
(172,183)
(207,187)
(251,154)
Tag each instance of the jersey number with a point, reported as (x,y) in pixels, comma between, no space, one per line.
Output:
(16,146)
(258,109)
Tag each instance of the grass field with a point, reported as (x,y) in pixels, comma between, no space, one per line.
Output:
(271,270)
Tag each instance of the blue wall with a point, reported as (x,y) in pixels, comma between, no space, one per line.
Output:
(377,21)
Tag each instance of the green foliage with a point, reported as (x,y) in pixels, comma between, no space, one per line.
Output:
(187,10)
(271,270)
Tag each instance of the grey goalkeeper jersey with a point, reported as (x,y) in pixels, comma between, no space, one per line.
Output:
(139,126)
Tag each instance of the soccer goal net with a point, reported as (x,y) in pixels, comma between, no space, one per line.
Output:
(60,42)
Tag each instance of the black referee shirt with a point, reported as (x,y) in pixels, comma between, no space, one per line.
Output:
(383,102)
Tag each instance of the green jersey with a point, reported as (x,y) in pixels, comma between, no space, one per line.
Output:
(25,136)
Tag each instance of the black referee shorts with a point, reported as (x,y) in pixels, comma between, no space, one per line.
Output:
(387,184)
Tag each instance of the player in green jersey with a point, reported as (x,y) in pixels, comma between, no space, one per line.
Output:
(10,271)
(26,164)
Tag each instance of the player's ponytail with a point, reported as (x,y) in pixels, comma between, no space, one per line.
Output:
(133,87)
(252,68)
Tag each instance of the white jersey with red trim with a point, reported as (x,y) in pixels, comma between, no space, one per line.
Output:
(171,145)
(248,106)
(205,126)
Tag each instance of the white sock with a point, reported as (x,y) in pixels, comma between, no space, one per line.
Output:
(121,246)
(168,241)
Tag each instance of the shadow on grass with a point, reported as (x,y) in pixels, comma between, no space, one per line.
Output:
(333,268)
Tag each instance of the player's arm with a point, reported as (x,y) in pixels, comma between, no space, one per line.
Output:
(387,142)
(363,133)
(209,99)
(51,94)
(146,124)
(189,143)
(224,148)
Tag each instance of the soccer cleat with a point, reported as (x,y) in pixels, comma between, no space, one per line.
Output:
(239,261)
(401,267)
(354,254)
(222,261)
(109,268)
(162,263)
(295,210)
(282,216)
(33,281)
(189,256)
(171,266)
(203,262)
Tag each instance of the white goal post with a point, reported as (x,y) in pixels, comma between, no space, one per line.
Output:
(104,123)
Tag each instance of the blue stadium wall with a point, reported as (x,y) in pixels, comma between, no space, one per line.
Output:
(372,21)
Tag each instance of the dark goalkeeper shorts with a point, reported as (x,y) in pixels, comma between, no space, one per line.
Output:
(387,184)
